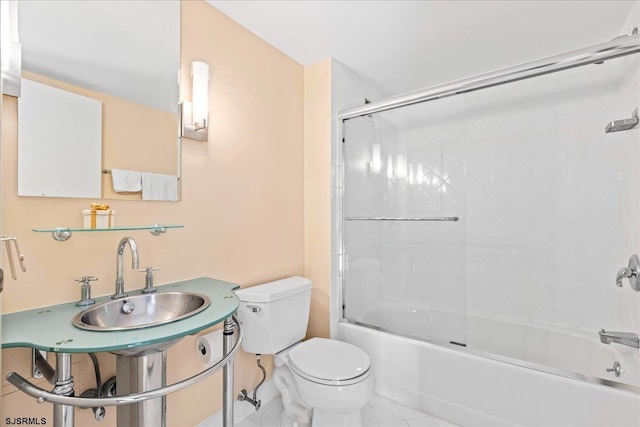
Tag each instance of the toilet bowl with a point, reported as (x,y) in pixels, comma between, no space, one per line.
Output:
(331,381)
(323,382)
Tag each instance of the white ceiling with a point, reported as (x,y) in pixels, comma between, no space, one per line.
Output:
(399,46)
(129,49)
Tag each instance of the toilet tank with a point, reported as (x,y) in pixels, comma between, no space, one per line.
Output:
(274,315)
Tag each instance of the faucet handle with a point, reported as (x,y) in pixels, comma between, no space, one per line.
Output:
(85,280)
(632,272)
(85,291)
(148,283)
(623,273)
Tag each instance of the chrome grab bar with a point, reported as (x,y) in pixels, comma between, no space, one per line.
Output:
(91,402)
(7,241)
(385,218)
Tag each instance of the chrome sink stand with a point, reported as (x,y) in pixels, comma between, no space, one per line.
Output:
(227,374)
(63,415)
(137,374)
(152,415)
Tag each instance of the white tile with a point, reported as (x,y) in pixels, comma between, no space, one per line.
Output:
(606,318)
(572,173)
(597,187)
(443,423)
(271,421)
(273,407)
(376,399)
(409,413)
(568,314)
(479,123)
(530,304)
(399,423)
(385,412)
(368,418)
(250,422)
(422,422)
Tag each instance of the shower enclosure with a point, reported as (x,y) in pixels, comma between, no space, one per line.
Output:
(491,215)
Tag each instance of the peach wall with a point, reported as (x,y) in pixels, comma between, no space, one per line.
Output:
(317,191)
(242,207)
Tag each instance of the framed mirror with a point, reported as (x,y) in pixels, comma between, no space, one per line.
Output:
(99,93)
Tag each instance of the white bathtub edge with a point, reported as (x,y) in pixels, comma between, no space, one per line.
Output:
(470,390)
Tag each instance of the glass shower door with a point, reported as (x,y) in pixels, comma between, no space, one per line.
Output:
(404,224)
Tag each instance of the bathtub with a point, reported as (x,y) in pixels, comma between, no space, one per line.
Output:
(472,387)
(574,351)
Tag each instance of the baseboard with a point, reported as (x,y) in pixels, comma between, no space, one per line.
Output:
(242,410)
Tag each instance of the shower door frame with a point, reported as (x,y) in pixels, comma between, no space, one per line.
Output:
(618,47)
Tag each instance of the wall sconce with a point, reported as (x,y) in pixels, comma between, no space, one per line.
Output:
(195,114)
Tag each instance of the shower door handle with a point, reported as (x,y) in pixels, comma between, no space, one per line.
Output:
(1,280)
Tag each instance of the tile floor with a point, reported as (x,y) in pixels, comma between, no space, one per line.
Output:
(379,412)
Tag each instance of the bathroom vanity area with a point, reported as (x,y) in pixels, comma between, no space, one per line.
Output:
(228,232)
(140,349)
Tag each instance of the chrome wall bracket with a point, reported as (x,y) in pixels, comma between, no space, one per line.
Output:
(37,367)
(61,234)
(198,132)
(158,230)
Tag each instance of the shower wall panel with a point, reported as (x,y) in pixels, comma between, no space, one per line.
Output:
(549,208)
(553,201)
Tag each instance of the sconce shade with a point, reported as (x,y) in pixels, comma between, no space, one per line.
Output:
(200,94)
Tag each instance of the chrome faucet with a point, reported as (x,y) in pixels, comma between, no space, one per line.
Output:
(625,338)
(134,264)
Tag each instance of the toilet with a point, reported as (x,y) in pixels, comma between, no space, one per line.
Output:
(323,382)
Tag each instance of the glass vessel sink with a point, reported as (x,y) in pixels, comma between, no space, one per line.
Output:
(141,311)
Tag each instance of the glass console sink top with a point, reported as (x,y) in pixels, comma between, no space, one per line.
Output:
(141,311)
(50,329)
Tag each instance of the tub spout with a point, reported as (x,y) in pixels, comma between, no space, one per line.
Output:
(625,338)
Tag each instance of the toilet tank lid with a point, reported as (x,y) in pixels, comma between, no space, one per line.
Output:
(273,291)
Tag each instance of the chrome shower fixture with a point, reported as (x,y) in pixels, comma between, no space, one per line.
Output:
(624,124)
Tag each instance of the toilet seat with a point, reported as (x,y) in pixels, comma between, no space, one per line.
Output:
(329,362)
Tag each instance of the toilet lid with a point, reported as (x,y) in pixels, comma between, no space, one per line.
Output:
(329,360)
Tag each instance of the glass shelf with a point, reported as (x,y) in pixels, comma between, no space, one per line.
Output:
(64,233)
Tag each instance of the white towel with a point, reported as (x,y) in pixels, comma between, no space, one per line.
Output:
(125,181)
(157,186)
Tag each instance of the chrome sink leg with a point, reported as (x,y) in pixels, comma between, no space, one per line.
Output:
(136,374)
(63,414)
(227,375)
